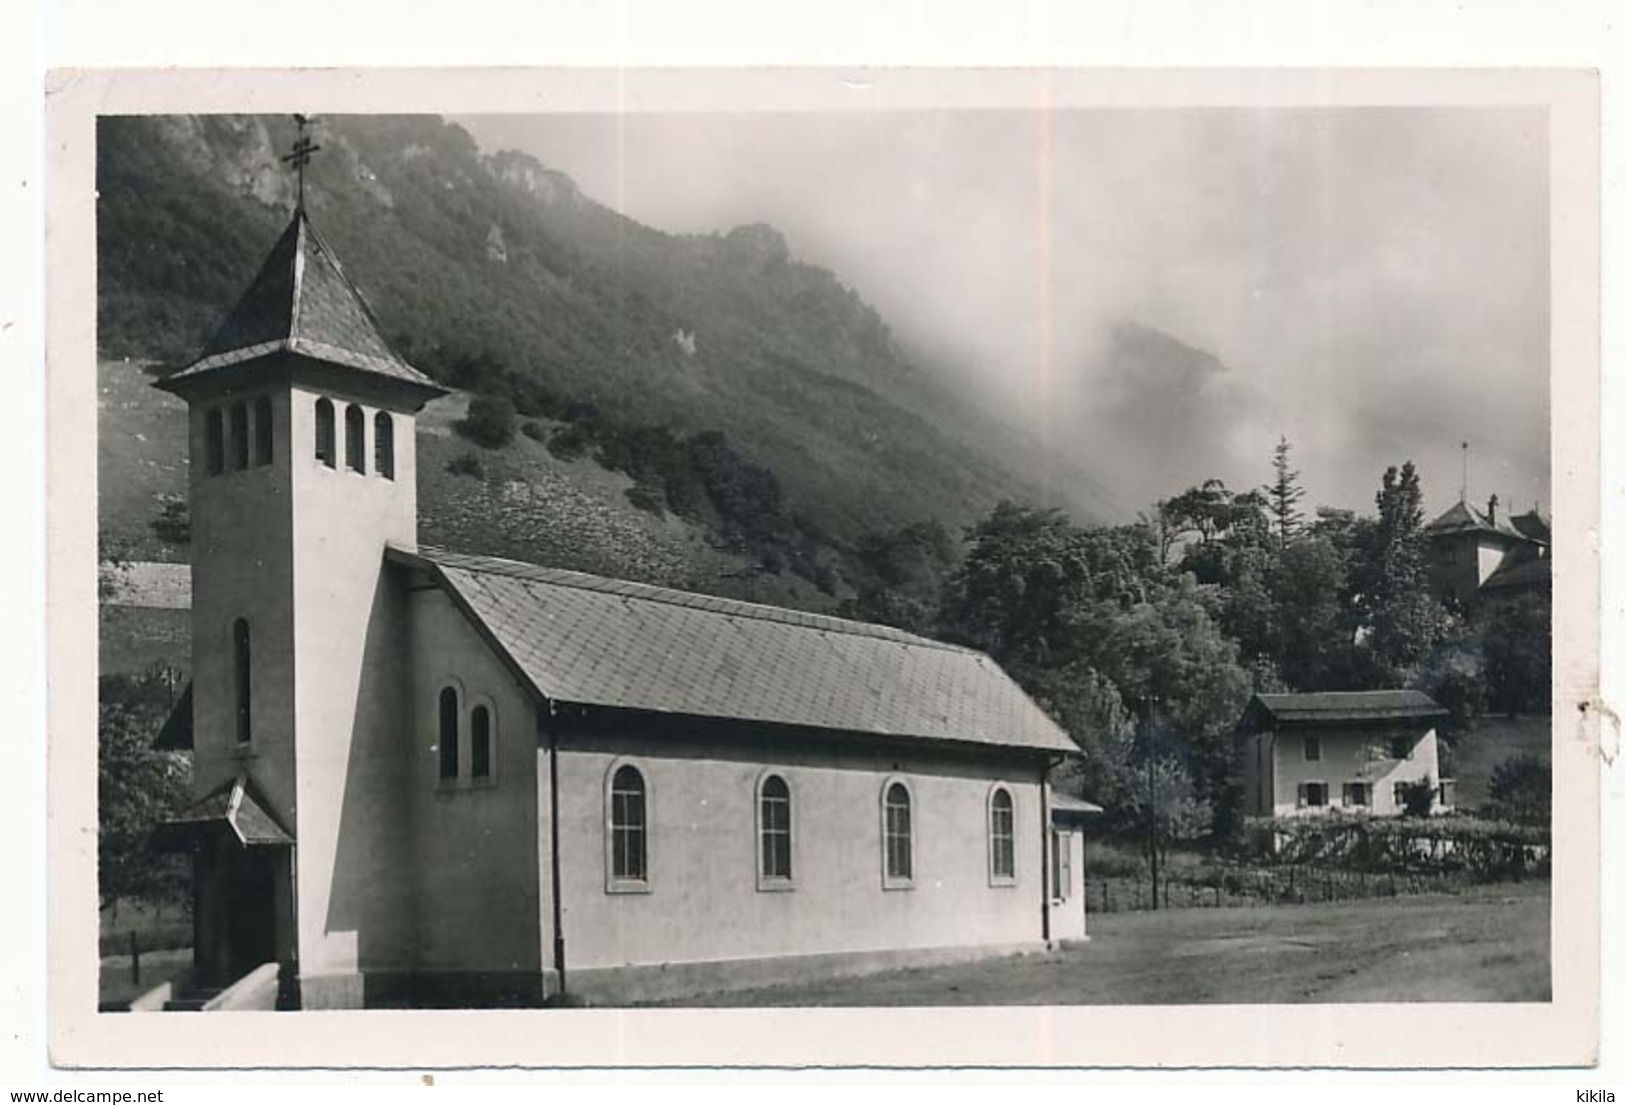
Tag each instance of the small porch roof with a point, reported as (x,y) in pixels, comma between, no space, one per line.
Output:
(1069,811)
(231,807)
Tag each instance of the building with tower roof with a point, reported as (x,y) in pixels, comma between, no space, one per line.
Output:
(1478,556)
(426,777)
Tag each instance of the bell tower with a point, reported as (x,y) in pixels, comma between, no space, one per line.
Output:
(302,471)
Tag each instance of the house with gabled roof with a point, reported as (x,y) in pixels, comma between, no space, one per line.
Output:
(1353,752)
(423,776)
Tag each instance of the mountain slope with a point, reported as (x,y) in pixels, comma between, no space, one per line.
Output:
(499,263)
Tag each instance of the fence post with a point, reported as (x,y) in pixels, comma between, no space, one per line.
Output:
(1105,896)
(135,958)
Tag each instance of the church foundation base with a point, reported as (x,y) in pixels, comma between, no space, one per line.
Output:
(672,982)
(334,991)
(626,985)
(459,989)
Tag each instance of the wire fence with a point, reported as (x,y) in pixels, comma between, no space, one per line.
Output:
(1237,887)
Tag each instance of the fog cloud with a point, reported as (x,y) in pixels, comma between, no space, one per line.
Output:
(1371,283)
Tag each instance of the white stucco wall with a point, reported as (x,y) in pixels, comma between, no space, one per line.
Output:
(703,902)
(475,845)
(1489,559)
(351,696)
(1347,755)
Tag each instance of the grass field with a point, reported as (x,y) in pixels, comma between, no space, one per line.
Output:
(1492,944)
(1489,742)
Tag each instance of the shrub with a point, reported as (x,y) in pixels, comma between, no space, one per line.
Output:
(569,443)
(1417,797)
(1483,848)
(491,421)
(173,525)
(466,465)
(1104,859)
(1521,789)
(535,431)
(645,499)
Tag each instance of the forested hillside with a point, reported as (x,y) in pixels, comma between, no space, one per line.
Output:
(714,360)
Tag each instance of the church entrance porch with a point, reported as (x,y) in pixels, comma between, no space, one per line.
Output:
(242,887)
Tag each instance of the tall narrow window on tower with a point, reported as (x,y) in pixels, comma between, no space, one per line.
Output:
(214,442)
(262,430)
(383,445)
(326,449)
(355,439)
(239,437)
(242,674)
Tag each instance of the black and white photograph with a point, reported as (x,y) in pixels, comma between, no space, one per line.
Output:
(1032,554)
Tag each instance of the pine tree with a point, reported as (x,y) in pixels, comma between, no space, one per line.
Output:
(1284,494)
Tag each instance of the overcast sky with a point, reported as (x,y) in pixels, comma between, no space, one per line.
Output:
(1376,280)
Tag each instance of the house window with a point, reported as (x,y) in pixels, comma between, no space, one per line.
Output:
(897,828)
(214,442)
(355,439)
(1356,794)
(480,743)
(774,828)
(628,830)
(1060,865)
(239,437)
(1311,794)
(1311,748)
(326,447)
(1001,837)
(383,445)
(242,677)
(448,733)
(262,430)
(1402,748)
(1399,793)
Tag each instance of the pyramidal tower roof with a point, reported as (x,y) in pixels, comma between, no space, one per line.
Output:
(302,303)
(1463,517)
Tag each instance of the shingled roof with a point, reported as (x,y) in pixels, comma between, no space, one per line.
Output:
(232,806)
(1525,568)
(1533,525)
(301,302)
(600,642)
(1337,707)
(1463,517)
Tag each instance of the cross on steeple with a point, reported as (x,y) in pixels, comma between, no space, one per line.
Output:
(300,157)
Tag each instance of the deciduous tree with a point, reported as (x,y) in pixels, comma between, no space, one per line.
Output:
(137,787)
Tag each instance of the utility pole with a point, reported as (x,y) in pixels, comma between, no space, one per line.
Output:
(1151,768)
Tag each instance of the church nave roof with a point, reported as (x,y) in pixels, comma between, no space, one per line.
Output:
(612,643)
